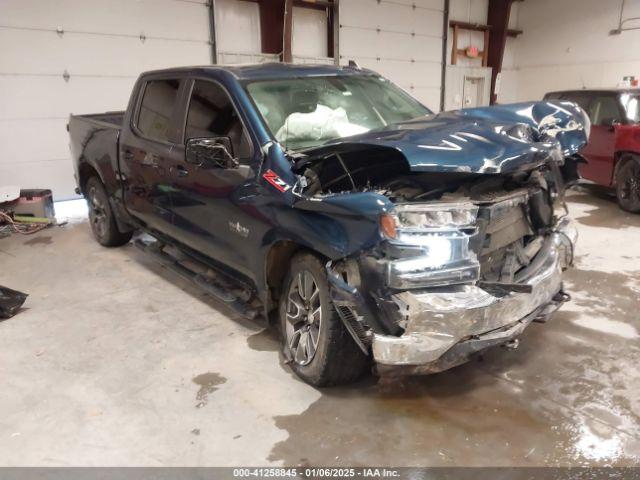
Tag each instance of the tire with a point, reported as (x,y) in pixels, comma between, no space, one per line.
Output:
(628,185)
(101,218)
(334,358)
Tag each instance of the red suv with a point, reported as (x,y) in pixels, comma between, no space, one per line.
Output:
(613,151)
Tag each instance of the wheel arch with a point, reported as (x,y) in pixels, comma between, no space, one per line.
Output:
(85,172)
(620,158)
(277,261)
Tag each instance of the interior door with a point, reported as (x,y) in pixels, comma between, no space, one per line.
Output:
(472,92)
(210,202)
(605,113)
(148,149)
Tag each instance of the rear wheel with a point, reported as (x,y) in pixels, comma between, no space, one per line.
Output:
(628,185)
(103,223)
(319,348)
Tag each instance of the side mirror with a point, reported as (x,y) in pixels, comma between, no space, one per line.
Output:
(214,152)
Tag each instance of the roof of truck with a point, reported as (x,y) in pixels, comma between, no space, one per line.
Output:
(273,70)
(598,90)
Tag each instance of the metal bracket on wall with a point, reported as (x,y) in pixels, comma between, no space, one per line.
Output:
(143,37)
(60,31)
(66,76)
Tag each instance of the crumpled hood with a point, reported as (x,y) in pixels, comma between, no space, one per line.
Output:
(477,140)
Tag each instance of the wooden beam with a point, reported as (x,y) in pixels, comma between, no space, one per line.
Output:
(271,25)
(330,31)
(498,18)
(454,46)
(315,4)
(479,27)
(287,41)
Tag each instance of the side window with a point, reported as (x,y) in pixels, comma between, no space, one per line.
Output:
(211,114)
(604,110)
(581,99)
(159,100)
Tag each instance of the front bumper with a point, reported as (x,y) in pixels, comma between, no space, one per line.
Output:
(445,327)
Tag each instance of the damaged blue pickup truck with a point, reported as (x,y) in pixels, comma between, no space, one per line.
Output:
(368,229)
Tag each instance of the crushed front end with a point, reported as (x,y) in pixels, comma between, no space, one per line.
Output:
(474,230)
(458,275)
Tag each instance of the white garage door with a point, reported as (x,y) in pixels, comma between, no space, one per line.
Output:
(400,39)
(99,44)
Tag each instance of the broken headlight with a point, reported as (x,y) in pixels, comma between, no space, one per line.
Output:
(436,238)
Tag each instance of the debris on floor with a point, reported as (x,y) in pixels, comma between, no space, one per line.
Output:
(25,211)
(10,301)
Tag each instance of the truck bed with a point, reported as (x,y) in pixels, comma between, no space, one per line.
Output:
(110,118)
(94,141)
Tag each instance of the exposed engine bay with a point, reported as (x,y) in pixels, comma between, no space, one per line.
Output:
(461,245)
(515,211)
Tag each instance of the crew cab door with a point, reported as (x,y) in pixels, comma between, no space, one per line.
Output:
(212,201)
(149,145)
(605,113)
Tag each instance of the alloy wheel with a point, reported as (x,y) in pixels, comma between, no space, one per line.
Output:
(631,186)
(97,213)
(303,317)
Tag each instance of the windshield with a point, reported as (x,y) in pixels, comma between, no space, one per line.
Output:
(631,103)
(305,112)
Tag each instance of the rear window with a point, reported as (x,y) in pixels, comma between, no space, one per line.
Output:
(156,111)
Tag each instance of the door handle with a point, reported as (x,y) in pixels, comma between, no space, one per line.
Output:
(181,171)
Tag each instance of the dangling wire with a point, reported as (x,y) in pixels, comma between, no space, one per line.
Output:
(21,227)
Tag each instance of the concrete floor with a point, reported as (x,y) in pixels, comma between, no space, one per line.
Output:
(115,361)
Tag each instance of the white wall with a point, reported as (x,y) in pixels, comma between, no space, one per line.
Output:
(102,51)
(400,39)
(566,44)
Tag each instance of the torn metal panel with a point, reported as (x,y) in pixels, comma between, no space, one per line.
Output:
(438,321)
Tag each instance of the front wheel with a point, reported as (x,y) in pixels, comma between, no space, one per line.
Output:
(317,345)
(628,185)
(103,222)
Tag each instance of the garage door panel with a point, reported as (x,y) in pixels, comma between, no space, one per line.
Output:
(78,54)
(45,97)
(56,175)
(397,45)
(392,17)
(169,19)
(372,44)
(355,42)
(405,74)
(426,74)
(102,52)
(430,97)
(398,41)
(32,140)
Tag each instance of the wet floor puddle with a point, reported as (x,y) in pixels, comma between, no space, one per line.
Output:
(208,383)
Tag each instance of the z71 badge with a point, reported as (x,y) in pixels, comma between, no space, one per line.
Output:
(273,178)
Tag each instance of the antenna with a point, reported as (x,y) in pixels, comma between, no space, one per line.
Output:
(354,64)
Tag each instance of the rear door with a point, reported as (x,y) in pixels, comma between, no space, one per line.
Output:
(212,204)
(605,113)
(148,148)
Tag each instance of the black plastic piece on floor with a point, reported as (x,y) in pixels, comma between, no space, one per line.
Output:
(10,301)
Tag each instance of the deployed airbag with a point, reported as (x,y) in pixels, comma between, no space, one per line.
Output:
(321,124)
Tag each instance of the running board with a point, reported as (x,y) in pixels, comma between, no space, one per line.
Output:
(155,249)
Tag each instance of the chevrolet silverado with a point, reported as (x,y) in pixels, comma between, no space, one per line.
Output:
(370,230)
